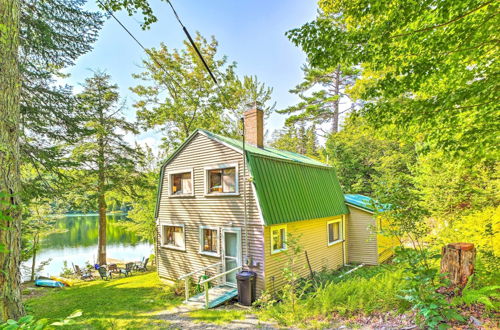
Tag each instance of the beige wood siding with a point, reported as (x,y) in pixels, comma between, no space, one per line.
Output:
(193,212)
(313,239)
(362,240)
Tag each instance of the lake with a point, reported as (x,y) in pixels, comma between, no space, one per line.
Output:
(77,242)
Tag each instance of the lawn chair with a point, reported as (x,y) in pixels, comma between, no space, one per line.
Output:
(113,268)
(127,271)
(84,275)
(142,266)
(104,273)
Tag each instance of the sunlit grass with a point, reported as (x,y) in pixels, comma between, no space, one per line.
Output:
(217,317)
(129,302)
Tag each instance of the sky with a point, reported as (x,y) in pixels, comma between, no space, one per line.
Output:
(252,33)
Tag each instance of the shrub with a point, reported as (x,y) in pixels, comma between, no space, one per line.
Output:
(359,295)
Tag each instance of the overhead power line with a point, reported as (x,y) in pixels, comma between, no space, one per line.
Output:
(151,55)
(191,41)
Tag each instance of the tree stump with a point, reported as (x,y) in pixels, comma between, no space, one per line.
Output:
(458,262)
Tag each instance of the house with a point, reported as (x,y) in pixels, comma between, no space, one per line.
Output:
(367,245)
(223,207)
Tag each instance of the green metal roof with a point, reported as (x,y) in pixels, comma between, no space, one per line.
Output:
(266,151)
(289,186)
(365,203)
(290,191)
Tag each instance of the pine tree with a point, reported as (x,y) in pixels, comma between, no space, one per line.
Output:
(106,159)
(323,105)
(10,180)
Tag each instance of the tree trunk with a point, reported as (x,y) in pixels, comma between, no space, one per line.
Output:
(11,306)
(336,103)
(101,260)
(458,262)
(101,191)
(33,262)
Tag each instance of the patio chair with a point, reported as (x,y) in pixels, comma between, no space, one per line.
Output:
(127,271)
(104,273)
(84,274)
(113,268)
(143,266)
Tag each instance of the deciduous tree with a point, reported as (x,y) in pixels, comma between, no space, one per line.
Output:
(427,66)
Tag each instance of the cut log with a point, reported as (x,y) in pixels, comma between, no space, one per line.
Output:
(457,262)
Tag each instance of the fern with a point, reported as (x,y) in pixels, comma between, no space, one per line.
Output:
(489,296)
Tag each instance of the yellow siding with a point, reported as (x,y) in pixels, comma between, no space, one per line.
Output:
(222,211)
(361,237)
(313,239)
(386,244)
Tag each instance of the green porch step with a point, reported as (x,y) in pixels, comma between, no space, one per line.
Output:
(216,296)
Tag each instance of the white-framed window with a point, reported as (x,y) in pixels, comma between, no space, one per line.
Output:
(278,238)
(173,236)
(221,179)
(334,231)
(209,241)
(181,183)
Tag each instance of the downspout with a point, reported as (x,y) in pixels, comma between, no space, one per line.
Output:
(245,214)
(344,239)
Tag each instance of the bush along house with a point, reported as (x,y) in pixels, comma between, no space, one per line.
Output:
(224,205)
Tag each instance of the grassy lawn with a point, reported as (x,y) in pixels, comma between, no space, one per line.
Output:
(129,302)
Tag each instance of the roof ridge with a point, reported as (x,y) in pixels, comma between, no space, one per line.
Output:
(270,152)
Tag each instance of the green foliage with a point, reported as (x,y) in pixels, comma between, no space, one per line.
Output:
(358,294)
(427,66)
(194,100)
(489,296)
(106,162)
(54,34)
(366,291)
(299,139)
(481,228)
(422,288)
(29,322)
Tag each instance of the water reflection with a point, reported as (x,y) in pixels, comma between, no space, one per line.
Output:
(76,242)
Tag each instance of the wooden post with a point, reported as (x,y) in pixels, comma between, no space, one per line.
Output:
(206,296)
(458,262)
(186,288)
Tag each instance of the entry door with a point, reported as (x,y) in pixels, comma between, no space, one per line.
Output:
(231,253)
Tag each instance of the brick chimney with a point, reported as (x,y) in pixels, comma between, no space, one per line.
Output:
(254,126)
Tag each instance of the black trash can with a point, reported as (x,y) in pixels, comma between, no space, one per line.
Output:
(246,287)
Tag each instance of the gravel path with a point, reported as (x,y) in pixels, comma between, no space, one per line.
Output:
(179,318)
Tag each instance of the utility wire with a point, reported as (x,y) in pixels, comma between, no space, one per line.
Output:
(191,41)
(151,55)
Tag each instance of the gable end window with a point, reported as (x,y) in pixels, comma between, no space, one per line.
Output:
(181,183)
(334,231)
(278,239)
(209,241)
(222,180)
(172,236)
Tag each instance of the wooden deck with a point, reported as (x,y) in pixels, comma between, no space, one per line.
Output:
(216,296)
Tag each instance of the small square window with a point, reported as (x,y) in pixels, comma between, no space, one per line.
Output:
(278,239)
(181,184)
(222,180)
(173,237)
(334,229)
(209,241)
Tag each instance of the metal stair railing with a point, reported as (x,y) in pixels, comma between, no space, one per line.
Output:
(205,282)
(187,276)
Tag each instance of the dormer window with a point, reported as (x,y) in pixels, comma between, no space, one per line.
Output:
(181,183)
(222,179)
